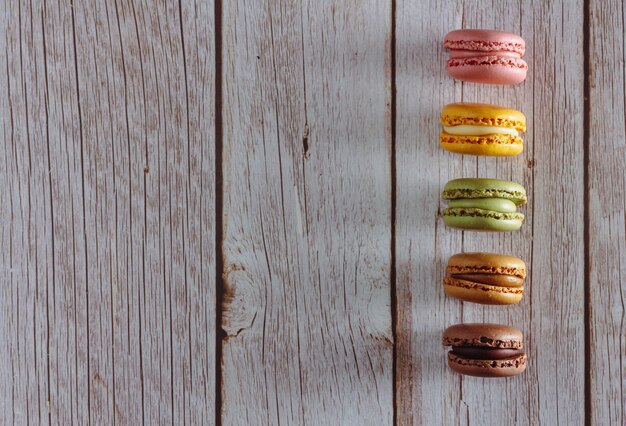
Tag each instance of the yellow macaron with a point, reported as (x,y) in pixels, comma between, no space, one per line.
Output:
(482,129)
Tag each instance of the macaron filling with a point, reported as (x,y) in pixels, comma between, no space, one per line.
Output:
(496,208)
(456,54)
(485,353)
(500,205)
(499,280)
(468,130)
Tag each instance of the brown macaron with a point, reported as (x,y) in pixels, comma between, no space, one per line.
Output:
(487,278)
(485,350)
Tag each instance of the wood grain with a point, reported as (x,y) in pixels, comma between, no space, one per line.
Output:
(307,202)
(108,296)
(607,210)
(551,169)
(109,200)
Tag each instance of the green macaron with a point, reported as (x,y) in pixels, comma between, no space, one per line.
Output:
(483,204)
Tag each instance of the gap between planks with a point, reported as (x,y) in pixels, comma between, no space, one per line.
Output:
(586,223)
(219,210)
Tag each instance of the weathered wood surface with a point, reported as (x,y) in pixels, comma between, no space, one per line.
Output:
(607,212)
(107,306)
(307,213)
(551,169)
(108,165)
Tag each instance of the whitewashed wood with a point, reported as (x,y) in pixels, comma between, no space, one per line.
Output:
(307,203)
(607,227)
(107,295)
(26,234)
(552,170)
(108,218)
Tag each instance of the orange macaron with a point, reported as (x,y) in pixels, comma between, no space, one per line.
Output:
(486,278)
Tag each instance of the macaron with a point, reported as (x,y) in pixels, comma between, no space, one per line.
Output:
(482,129)
(486,56)
(483,204)
(485,350)
(486,278)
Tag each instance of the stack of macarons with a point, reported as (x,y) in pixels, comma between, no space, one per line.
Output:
(484,204)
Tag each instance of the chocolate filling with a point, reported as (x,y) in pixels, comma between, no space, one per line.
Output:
(477,352)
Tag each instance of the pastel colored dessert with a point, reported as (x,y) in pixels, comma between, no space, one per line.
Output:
(482,129)
(486,278)
(485,350)
(483,204)
(486,56)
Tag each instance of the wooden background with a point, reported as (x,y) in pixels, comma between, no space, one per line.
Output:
(227,212)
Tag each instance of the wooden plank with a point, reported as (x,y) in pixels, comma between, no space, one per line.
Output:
(551,168)
(607,225)
(27,276)
(307,170)
(108,159)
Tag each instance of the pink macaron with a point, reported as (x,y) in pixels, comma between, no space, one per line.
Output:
(486,56)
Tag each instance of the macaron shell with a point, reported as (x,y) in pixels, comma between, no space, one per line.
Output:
(483,335)
(478,212)
(486,263)
(488,69)
(484,40)
(481,293)
(481,223)
(487,368)
(478,114)
(455,194)
(484,188)
(495,145)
